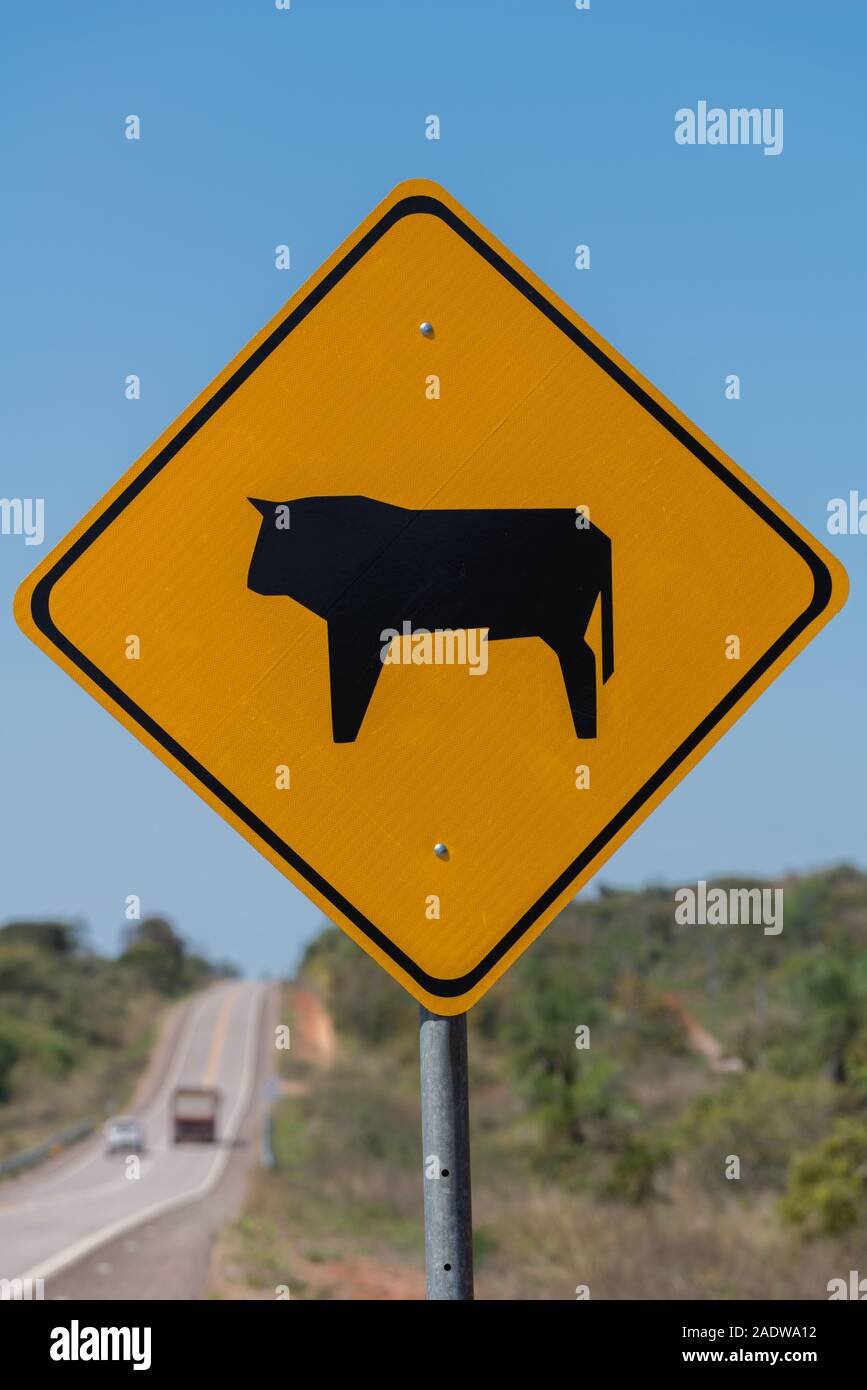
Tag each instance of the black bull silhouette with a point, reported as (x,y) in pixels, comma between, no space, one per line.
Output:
(366,566)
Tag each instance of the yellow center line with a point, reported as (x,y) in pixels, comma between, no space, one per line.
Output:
(219,1038)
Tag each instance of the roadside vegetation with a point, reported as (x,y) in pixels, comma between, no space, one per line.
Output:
(76,1028)
(711,1142)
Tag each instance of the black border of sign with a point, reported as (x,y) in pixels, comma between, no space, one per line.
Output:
(406,207)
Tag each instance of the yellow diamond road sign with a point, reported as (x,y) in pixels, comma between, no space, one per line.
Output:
(432,596)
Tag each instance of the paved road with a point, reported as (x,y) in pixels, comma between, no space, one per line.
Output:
(78,1215)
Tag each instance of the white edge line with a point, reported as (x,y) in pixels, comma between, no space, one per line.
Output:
(75,1252)
(78,1161)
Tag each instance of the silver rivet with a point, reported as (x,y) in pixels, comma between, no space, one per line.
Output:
(426,329)
(441,851)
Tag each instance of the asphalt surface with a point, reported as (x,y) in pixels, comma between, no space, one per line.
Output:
(90,1230)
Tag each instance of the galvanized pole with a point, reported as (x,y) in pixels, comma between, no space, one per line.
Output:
(445,1129)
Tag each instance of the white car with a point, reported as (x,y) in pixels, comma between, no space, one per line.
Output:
(124,1136)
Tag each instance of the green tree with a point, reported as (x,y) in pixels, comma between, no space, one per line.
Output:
(830,994)
(567,1084)
(59,938)
(155,951)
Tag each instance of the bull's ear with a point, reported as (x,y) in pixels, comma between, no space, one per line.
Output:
(266,508)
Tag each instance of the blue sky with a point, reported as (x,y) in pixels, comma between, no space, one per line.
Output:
(261,127)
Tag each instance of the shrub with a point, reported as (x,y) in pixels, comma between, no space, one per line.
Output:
(761,1118)
(9,1054)
(827,1189)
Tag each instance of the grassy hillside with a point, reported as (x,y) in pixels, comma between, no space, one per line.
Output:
(76,1029)
(711,1141)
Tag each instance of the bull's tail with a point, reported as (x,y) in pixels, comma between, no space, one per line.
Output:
(607,597)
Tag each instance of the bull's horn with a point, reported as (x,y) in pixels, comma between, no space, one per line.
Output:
(266,508)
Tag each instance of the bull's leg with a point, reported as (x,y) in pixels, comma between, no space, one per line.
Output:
(578,665)
(354,666)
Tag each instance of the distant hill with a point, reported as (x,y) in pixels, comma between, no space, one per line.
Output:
(76,1028)
(710,1141)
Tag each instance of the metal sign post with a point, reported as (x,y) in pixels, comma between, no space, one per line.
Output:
(623,632)
(445,1128)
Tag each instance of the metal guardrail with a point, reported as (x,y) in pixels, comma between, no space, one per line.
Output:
(28,1158)
(267,1150)
(271,1096)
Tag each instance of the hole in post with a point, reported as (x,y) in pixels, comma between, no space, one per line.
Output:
(445,1172)
(447,1267)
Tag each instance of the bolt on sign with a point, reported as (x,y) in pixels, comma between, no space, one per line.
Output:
(435,597)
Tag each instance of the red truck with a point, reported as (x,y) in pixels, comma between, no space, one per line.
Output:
(194,1114)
